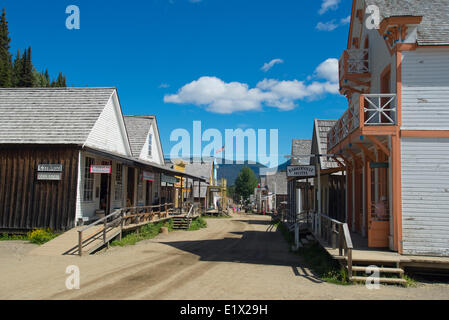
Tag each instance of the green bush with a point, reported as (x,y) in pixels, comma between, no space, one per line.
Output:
(41,236)
(198,224)
(148,231)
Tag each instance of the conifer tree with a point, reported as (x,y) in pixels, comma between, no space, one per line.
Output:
(5,56)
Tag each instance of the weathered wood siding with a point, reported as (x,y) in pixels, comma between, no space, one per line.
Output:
(25,202)
(425,89)
(425,196)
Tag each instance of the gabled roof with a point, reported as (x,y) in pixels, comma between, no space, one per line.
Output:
(434,28)
(300,147)
(50,115)
(200,169)
(138,128)
(319,142)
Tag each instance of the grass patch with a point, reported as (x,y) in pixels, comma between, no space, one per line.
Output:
(148,231)
(217,217)
(12,237)
(37,236)
(198,224)
(317,259)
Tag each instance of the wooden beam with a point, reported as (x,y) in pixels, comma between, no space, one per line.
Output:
(380,145)
(340,164)
(357,160)
(367,152)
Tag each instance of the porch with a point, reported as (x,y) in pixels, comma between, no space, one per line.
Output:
(352,251)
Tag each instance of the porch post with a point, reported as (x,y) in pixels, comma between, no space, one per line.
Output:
(364,194)
(353,194)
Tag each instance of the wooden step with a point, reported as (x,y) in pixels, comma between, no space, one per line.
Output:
(304,241)
(382,270)
(380,280)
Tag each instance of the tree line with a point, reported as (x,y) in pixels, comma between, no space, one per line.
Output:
(20,72)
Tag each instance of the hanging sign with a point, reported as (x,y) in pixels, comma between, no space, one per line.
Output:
(301,171)
(101,169)
(169,179)
(214,189)
(148,176)
(49,167)
(49,176)
(378,165)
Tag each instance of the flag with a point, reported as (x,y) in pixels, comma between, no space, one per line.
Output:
(220,150)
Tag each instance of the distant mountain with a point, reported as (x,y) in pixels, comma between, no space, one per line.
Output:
(231,171)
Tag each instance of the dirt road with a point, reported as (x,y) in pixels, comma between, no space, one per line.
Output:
(238,258)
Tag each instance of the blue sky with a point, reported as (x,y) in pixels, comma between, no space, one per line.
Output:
(151,49)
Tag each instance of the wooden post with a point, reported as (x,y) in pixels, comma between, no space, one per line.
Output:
(334,235)
(121,226)
(104,231)
(80,243)
(350,263)
(340,239)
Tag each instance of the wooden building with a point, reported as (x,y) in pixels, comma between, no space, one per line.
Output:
(67,157)
(393,140)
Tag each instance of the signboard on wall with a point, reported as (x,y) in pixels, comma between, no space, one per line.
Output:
(169,179)
(49,167)
(301,171)
(148,176)
(101,169)
(49,176)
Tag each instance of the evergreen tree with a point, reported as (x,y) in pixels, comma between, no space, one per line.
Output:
(27,75)
(17,70)
(245,183)
(61,81)
(5,56)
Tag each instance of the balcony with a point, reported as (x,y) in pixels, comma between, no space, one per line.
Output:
(371,110)
(354,66)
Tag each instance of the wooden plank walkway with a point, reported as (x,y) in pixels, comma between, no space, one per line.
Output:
(67,243)
(377,256)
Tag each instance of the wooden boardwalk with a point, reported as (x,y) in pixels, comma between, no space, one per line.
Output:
(362,254)
(67,243)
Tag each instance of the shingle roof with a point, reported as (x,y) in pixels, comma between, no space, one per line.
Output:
(300,147)
(319,143)
(50,116)
(138,128)
(434,28)
(199,169)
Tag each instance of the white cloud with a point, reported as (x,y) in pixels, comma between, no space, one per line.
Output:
(164,86)
(327,26)
(271,64)
(332,25)
(346,20)
(218,96)
(328,70)
(327,5)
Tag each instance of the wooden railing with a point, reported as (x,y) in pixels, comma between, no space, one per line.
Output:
(369,110)
(108,223)
(336,234)
(119,219)
(354,61)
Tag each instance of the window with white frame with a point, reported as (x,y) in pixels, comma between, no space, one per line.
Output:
(118,181)
(88,180)
(150,145)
